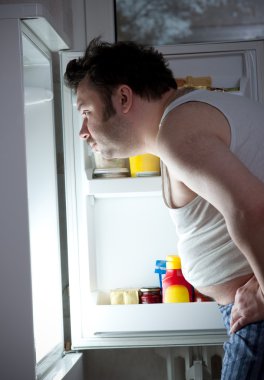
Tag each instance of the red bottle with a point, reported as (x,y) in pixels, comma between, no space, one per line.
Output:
(174,286)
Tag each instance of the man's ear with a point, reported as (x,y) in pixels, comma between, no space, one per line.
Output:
(125,98)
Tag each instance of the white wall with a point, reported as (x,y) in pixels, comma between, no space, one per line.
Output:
(100,19)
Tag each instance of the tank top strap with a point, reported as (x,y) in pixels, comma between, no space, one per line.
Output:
(178,101)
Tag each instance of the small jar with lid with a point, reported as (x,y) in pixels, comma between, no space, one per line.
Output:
(150,295)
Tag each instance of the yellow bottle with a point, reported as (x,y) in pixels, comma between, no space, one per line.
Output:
(174,286)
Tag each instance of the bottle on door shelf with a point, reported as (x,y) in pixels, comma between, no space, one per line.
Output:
(174,286)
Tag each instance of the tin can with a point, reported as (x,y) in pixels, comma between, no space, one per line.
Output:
(150,295)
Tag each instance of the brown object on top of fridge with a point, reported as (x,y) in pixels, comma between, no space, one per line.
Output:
(194,82)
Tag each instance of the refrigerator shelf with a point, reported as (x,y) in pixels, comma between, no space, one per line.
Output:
(152,325)
(200,316)
(155,339)
(128,186)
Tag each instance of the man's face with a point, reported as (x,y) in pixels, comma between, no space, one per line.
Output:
(106,134)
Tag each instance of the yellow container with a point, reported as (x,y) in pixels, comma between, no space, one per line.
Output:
(144,165)
(174,286)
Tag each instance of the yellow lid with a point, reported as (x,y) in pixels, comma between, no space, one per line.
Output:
(173,262)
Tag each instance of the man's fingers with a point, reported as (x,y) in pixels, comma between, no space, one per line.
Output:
(237,324)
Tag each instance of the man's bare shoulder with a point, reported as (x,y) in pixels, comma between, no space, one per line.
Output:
(191,121)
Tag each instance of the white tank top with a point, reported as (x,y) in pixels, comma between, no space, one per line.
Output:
(207,252)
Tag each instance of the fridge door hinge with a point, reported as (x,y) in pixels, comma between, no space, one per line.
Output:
(68,349)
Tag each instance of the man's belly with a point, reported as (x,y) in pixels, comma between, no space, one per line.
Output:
(224,293)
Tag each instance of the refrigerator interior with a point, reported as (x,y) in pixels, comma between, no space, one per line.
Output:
(118,228)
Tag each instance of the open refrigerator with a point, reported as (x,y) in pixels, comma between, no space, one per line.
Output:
(118,227)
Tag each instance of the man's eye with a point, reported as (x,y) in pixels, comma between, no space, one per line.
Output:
(86,113)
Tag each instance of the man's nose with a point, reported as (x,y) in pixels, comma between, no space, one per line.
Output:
(84,133)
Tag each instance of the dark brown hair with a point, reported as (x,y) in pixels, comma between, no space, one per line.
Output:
(107,65)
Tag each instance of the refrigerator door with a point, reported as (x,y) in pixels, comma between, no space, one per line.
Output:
(42,195)
(32,340)
(43,211)
(119,227)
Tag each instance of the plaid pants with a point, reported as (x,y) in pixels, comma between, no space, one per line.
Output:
(244,350)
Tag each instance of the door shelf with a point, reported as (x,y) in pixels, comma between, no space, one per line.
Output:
(191,316)
(111,187)
(154,324)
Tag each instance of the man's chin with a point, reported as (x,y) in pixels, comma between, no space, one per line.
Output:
(105,155)
(111,157)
